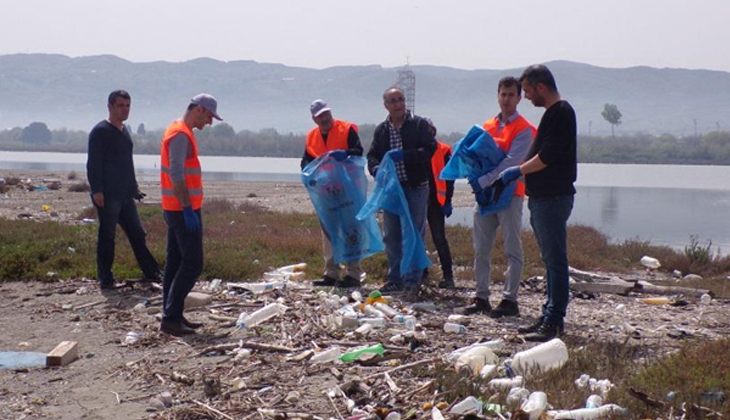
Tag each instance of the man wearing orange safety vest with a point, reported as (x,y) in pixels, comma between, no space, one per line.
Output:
(439,208)
(514,135)
(342,139)
(182,198)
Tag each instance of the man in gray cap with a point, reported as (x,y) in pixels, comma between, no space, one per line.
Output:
(342,139)
(182,198)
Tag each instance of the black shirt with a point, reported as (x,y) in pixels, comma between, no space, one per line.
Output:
(555,143)
(353,147)
(110,167)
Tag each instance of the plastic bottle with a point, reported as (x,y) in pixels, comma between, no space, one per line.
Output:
(348,310)
(487,371)
(589,413)
(387,310)
(468,405)
(436,414)
(543,357)
(258,288)
(494,345)
(517,395)
(408,320)
(329,355)
(364,329)
(505,383)
(476,358)
(657,300)
(375,322)
(264,314)
(353,355)
(535,405)
(594,401)
(356,296)
(450,327)
(393,415)
(457,318)
(373,312)
(705,299)
(424,307)
(649,262)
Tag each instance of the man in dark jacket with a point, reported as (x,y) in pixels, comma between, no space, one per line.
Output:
(110,171)
(414,144)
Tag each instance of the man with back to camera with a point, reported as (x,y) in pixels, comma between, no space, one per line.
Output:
(182,199)
(550,171)
(110,172)
(342,138)
(411,138)
(513,134)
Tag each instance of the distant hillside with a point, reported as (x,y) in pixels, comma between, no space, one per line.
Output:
(71,92)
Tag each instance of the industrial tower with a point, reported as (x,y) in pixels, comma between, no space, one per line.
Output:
(407,83)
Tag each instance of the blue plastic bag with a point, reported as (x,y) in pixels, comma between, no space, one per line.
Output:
(388,195)
(476,155)
(338,191)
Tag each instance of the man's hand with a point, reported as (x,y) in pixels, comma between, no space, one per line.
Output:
(510,174)
(397,155)
(447,209)
(475,186)
(192,221)
(98,199)
(339,155)
(139,195)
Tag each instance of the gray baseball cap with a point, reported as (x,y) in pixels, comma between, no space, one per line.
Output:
(208,102)
(318,107)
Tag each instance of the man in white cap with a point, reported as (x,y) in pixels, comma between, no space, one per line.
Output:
(182,198)
(341,138)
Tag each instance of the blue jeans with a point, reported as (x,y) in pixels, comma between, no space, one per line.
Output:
(417,198)
(549,219)
(122,212)
(184,264)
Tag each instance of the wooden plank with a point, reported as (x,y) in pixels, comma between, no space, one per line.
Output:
(615,287)
(64,353)
(648,288)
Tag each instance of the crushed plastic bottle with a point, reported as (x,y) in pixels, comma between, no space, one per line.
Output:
(436,414)
(517,395)
(356,296)
(475,359)
(467,405)
(424,307)
(262,315)
(705,299)
(384,308)
(131,337)
(535,405)
(375,322)
(543,357)
(450,327)
(372,312)
(506,383)
(488,371)
(329,355)
(494,345)
(657,300)
(408,320)
(649,262)
(589,413)
(356,354)
(594,401)
(258,288)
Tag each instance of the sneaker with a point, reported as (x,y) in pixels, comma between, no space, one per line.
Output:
(505,308)
(348,282)
(447,284)
(480,306)
(326,281)
(175,328)
(532,327)
(546,332)
(391,289)
(154,278)
(190,324)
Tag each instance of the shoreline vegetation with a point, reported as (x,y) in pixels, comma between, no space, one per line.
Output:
(243,240)
(222,140)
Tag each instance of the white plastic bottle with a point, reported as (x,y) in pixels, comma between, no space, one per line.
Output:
(387,310)
(535,405)
(494,345)
(373,312)
(264,314)
(475,359)
(451,327)
(375,322)
(468,405)
(543,357)
(505,383)
(329,355)
(649,262)
(589,413)
(408,320)
(258,288)
(364,329)
(594,401)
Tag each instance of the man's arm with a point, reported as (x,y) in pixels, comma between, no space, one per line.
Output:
(354,147)
(377,150)
(449,184)
(555,145)
(306,159)
(426,145)
(178,153)
(515,155)
(95,166)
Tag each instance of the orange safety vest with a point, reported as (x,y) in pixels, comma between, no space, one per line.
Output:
(193,174)
(438,161)
(505,137)
(336,139)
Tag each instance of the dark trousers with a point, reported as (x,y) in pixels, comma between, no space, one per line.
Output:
(437,225)
(122,212)
(184,264)
(549,219)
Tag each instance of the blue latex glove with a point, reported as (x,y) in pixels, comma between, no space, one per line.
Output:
(447,209)
(192,222)
(397,156)
(474,183)
(339,155)
(510,175)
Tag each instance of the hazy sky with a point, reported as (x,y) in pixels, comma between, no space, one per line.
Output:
(465,34)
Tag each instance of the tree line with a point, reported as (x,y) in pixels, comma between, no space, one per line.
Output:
(222,140)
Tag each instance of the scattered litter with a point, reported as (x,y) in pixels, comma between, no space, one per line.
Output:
(262,315)
(543,357)
(468,405)
(650,262)
(657,300)
(21,359)
(453,328)
(589,413)
(131,338)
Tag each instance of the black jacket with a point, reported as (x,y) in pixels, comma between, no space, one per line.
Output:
(418,147)
(110,167)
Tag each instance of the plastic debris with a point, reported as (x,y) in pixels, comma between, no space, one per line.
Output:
(476,358)
(450,327)
(649,262)
(657,300)
(131,338)
(468,405)
(535,405)
(329,355)
(363,353)
(588,413)
(543,357)
(262,315)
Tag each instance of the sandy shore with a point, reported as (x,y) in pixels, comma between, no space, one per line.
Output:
(65,206)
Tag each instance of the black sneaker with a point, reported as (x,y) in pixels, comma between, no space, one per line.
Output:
(546,332)
(480,306)
(348,282)
(154,278)
(447,284)
(391,289)
(532,327)
(326,281)
(505,308)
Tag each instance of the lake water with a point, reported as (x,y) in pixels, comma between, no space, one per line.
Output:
(664,204)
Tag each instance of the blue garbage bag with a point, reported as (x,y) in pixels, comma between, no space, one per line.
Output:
(388,195)
(475,155)
(338,191)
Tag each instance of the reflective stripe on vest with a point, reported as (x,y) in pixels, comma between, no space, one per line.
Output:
(336,139)
(192,170)
(505,137)
(438,161)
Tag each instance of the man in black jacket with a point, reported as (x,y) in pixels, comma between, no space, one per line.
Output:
(414,144)
(110,171)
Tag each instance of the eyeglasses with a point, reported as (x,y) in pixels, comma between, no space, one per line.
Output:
(395,100)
